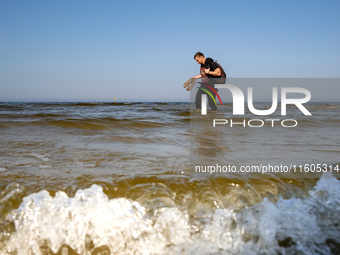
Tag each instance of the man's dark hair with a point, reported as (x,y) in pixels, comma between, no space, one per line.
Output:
(198,54)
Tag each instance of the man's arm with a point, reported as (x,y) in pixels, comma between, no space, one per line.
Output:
(197,76)
(216,72)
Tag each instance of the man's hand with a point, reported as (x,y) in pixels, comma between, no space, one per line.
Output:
(207,71)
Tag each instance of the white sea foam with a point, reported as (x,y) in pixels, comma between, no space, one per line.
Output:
(44,167)
(296,225)
(41,157)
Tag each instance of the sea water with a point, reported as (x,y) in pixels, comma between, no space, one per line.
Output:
(106,178)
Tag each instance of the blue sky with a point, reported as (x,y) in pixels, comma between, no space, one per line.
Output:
(143,50)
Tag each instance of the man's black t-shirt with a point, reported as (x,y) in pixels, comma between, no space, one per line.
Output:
(209,63)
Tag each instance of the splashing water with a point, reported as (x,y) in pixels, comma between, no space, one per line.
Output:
(90,220)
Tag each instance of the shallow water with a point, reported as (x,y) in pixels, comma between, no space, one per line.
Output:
(103,177)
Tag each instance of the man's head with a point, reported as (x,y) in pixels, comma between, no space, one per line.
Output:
(199,57)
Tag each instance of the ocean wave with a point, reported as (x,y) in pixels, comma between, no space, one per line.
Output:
(31,116)
(90,221)
(105,123)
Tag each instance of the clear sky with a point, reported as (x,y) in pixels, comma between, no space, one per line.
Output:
(143,50)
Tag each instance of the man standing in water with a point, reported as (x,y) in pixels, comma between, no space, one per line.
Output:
(210,72)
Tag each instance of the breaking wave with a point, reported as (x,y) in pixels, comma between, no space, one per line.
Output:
(90,222)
